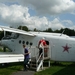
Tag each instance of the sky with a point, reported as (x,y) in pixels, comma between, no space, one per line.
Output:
(39,14)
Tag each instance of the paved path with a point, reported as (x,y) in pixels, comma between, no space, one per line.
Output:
(24,73)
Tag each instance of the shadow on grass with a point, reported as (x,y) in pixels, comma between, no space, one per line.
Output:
(66,70)
(15,66)
(59,68)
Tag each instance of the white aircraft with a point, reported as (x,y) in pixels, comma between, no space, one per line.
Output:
(61,47)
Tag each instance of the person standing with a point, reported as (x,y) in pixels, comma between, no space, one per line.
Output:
(41,45)
(26,58)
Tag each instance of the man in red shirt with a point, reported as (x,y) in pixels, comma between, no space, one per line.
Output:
(41,45)
(43,42)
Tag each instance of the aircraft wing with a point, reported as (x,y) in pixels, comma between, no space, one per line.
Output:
(10,57)
(2,28)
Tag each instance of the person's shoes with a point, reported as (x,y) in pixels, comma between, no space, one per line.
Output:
(24,69)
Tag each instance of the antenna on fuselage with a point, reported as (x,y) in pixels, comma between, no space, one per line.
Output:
(62,32)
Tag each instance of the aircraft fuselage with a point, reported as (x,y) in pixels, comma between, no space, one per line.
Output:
(61,48)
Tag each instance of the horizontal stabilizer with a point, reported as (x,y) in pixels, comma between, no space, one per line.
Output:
(8,58)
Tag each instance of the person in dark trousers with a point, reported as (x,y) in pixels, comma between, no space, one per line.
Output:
(41,45)
(26,58)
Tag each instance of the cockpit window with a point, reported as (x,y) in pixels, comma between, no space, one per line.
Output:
(12,36)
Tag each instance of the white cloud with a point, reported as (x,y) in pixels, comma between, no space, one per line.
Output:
(52,7)
(43,23)
(72,27)
(18,14)
(68,22)
(13,14)
(56,24)
(39,23)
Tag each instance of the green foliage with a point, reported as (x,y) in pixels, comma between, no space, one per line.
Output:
(60,68)
(8,69)
(48,30)
(67,31)
(25,28)
(1,50)
(6,50)
(63,68)
(35,29)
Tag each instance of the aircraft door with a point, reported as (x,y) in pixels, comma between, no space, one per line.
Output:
(47,49)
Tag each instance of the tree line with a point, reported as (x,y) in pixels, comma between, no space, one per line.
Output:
(67,31)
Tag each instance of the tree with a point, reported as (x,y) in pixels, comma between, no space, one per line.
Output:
(25,28)
(48,30)
(35,29)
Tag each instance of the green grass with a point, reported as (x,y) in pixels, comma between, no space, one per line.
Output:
(8,69)
(1,50)
(7,50)
(62,68)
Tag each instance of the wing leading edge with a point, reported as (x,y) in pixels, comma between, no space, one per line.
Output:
(2,28)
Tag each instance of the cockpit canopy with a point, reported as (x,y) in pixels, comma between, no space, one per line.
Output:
(12,36)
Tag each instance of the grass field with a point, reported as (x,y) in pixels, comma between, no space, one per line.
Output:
(8,69)
(62,68)
(1,50)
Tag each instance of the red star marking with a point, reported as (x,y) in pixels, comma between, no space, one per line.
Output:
(66,48)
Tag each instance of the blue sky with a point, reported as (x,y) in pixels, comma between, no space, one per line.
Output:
(40,14)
